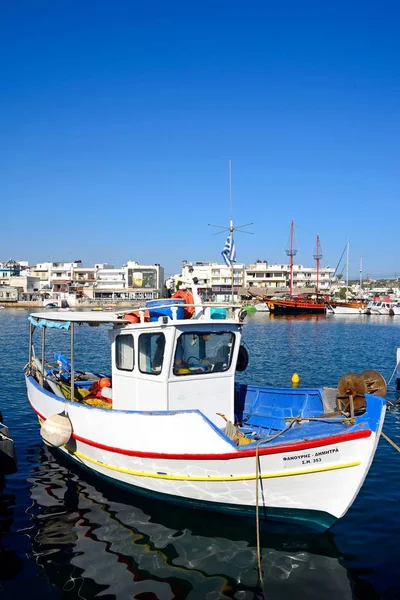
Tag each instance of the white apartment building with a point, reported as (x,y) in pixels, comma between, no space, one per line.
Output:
(108,277)
(132,281)
(144,282)
(54,277)
(215,279)
(28,286)
(10,268)
(263,274)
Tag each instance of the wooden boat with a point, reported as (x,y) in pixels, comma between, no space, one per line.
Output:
(356,307)
(171,421)
(296,305)
(300,304)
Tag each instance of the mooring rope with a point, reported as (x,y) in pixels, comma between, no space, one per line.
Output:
(391,442)
(259,480)
(394,371)
(260,575)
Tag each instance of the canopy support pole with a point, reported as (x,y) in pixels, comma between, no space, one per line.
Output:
(43,353)
(30,343)
(72,364)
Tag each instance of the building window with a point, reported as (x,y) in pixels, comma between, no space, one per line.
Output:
(151,353)
(124,353)
(205,352)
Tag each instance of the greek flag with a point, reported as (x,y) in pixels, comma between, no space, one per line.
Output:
(229,252)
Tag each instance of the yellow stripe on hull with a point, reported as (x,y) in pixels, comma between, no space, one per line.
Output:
(251,477)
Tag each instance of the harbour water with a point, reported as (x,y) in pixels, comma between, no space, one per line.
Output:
(65,534)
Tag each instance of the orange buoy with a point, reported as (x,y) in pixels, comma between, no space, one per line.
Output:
(132,317)
(187,296)
(104,382)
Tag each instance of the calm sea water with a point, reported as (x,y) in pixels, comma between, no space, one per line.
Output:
(64,534)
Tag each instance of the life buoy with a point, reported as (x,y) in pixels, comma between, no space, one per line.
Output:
(242,359)
(188,311)
(134,317)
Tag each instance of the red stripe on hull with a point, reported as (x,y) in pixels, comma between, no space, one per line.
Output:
(295,447)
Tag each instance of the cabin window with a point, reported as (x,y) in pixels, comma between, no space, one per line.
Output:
(203,352)
(151,353)
(124,353)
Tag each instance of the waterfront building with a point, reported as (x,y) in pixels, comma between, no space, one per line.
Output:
(27,286)
(145,282)
(8,293)
(9,269)
(214,278)
(260,278)
(133,281)
(54,277)
(268,279)
(83,280)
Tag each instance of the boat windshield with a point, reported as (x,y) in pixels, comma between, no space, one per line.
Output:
(203,352)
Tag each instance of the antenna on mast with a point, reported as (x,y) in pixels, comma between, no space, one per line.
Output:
(291,251)
(231,229)
(317,257)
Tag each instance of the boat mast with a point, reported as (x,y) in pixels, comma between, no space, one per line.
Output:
(361,266)
(317,257)
(231,225)
(291,252)
(347,270)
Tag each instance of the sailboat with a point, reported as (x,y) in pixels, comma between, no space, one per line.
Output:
(300,304)
(347,307)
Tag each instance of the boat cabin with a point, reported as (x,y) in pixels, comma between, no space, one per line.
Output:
(164,364)
(175,366)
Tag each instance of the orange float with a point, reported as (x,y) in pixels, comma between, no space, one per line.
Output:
(134,317)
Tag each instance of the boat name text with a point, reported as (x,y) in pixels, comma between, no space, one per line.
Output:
(310,458)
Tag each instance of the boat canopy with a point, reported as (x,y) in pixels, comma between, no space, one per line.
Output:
(77,317)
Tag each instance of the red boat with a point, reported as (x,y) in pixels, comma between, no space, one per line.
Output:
(296,305)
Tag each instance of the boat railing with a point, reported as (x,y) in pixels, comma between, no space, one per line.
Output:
(211,310)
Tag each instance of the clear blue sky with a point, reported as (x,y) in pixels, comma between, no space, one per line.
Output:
(118,120)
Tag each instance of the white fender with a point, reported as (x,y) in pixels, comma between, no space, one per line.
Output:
(56,430)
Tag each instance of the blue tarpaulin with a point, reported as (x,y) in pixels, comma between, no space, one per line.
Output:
(47,323)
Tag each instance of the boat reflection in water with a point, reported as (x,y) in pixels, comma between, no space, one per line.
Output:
(94,540)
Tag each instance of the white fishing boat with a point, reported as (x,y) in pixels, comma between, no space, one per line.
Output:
(350,307)
(170,420)
(346,306)
(382,307)
(261,307)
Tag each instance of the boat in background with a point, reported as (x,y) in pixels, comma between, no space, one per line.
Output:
(297,305)
(172,421)
(8,458)
(300,304)
(382,307)
(351,307)
(261,307)
(346,306)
